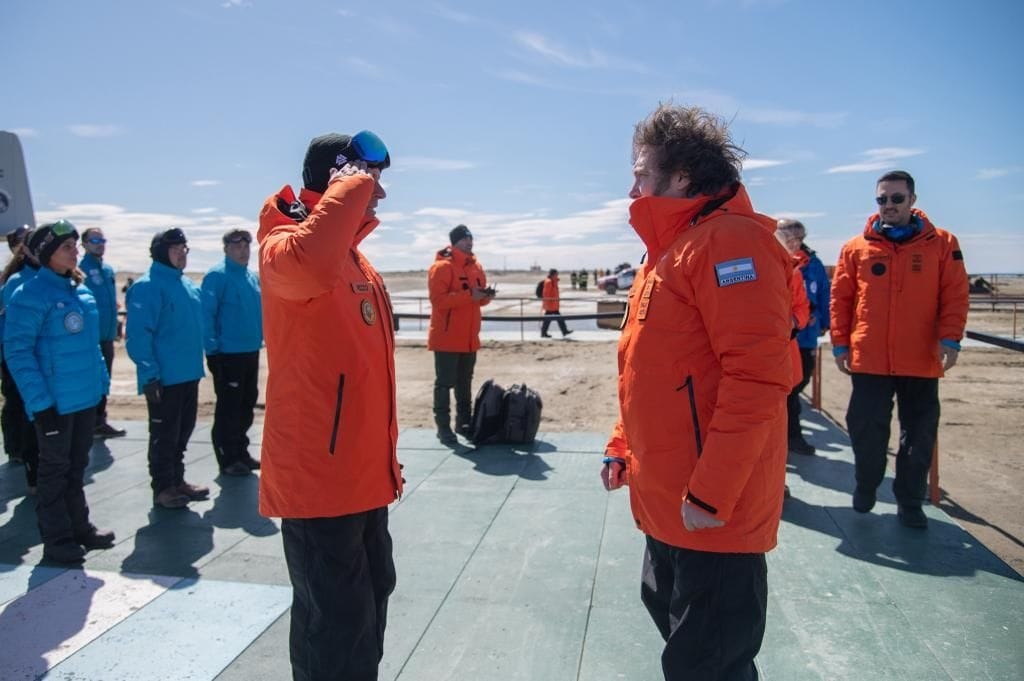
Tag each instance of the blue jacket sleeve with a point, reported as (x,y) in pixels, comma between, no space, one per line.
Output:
(213,290)
(143,316)
(24,323)
(824,296)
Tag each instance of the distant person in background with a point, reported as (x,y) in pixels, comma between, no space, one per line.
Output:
(51,340)
(573,281)
(20,440)
(458,289)
(165,340)
(232,336)
(791,233)
(551,306)
(899,307)
(99,277)
(581,279)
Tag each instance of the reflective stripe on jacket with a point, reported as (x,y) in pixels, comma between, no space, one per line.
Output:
(330,432)
(893,303)
(454,315)
(704,371)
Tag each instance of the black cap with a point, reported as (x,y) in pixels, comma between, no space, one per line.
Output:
(162,241)
(45,239)
(331,151)
(459,233)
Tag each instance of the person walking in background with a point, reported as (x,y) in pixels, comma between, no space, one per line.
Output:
(330,434)
(232,337)
(458,289)
(899,307)
(551,306)
(51,342)
(99,277)
(791,233)
(18,432)
(165,340)
(704,371)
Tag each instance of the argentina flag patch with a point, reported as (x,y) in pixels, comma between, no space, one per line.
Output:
(735,271)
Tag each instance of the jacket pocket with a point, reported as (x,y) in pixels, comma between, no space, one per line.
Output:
(337,413)
(690,393)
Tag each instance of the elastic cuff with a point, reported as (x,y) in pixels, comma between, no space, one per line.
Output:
(612,459)
(839,350)
(950,344)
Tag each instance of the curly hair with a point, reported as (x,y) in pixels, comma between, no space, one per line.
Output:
(692,141)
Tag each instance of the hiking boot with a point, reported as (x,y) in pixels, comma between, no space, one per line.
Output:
(798,445)
(106,430)
(170,498)
(912,516)
(567,333)
(545,335)
(237,469)
(251,463)
(447,436)
(66,551)
(195,492)
(95,539)
(863,501)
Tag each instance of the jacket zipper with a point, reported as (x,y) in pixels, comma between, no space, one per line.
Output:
(337,412)
(688,384)
(447,319)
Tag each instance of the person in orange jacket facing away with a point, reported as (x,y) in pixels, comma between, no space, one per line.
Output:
(329,457)
(899,307)
(704,370)
(550,305)
(458,289)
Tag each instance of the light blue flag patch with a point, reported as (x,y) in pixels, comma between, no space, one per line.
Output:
(735,271)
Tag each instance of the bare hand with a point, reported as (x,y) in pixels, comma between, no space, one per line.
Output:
(351,168)
(613,475)
(948,356)
(696,518)
(843,362)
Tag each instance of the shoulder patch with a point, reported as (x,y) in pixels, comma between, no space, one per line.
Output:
(735,271)
(958,255)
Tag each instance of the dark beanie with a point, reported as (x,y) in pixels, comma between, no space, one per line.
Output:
(164,240)
(330,151)
(17,236)
(45,239)
(459,233)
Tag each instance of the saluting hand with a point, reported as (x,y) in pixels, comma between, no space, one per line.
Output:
(351,168)
(696,518)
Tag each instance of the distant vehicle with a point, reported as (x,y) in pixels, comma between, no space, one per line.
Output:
(620,281)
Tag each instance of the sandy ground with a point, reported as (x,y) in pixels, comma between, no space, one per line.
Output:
(981,464)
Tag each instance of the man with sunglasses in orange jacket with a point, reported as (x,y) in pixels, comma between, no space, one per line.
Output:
(899,307)
(704,371)
(329,465)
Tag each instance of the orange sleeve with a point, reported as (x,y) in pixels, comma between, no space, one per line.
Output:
(801,305)
(954,292)
(844,286)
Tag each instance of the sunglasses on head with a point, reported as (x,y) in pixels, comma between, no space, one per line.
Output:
(896,199)
(369,147)
(96,240)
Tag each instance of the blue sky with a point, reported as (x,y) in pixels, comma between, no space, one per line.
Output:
(514,118)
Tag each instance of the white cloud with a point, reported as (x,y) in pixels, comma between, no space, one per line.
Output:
(521,77)
(346,13)
(993,173)
(427,163)
(453,15)
(365,68)
(877,159)
(792,117)
(24,132)
(589,59)
(204,211)
(797,215)
(758,163)
(228,4)
(205,183)
(94,130)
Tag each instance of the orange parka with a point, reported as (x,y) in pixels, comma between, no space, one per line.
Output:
(550,294)
(454,315)
(330,430)
(893,303)
(801,311)
(704,371)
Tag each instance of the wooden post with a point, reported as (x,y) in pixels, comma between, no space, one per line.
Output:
(933,476)
(816,381)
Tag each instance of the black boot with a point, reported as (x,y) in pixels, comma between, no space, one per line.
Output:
(92,538)
(66,551)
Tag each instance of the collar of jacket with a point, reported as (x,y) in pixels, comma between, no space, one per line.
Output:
(51,278)
(310,198)
(233,267)
(158,269)
(659,220)
(801,259)
(927,228)
(458,258)
(88,260)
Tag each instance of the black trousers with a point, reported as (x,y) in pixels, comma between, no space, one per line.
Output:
(236,378)
(453,370)
(342,573)
(709,607)
(868,418)
(107,349)
(60,503)
(171,422)
(793,401)
(547,322)
(19,434)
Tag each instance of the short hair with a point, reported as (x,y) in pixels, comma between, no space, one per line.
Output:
(552,272)
(234,234)
(692,141)
(89,231)
(794,227)
(896,176)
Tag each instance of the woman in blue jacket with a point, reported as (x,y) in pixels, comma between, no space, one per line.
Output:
(51,344)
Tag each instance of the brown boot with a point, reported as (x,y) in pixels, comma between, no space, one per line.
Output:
(170,498)
(194,492)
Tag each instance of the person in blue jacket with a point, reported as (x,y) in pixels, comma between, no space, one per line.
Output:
(51,341)
(165,340)
(19,434)
(99,277)
(232,336)
(818,289)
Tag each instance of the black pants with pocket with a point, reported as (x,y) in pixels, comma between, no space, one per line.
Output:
(19,434)
(793,401)
(453,370)
(236,382)
(342,573)
(709,607)
(107,350)
(547,322)
(171,422)
(868,419)
(63,457)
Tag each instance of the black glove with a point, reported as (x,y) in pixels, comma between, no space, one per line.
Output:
(153,391)
(49,421)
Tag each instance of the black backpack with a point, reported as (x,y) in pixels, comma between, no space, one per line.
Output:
(540,288)
(521,414)
(486,425)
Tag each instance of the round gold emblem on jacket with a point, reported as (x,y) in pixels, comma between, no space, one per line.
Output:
(369,314)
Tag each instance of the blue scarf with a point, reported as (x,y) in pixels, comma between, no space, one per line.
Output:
(899,233)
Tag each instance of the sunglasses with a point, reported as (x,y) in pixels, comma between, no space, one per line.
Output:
(896,199)
(96,240)
(369,147)
(239,240)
